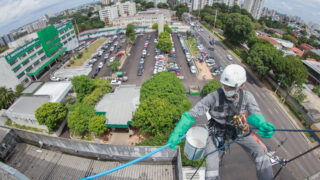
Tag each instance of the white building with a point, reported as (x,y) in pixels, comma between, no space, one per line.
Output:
(145,18)
(248,5)
(109,13)
(37,25)
(126,9)
(22,111)
(105,2)
(28,58)
(257,8)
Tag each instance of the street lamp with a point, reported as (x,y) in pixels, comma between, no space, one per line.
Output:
(292,85)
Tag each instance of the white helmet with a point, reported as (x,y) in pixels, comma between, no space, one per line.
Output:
(233,75)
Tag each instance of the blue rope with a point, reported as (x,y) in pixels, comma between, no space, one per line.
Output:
(130,163)
(219,149)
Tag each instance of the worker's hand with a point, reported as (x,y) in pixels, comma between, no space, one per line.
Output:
(266,129)
(174,140)
(181,128)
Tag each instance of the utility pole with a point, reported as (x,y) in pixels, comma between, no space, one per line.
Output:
(292,85)
(282,77)
(215,18)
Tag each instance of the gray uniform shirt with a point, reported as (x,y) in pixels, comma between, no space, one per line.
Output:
(207,104)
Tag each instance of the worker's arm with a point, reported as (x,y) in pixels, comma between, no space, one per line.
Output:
(266,129)
(188,118)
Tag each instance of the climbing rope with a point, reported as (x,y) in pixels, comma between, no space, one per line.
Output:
(130,163)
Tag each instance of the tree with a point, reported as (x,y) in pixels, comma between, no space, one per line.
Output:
(164,45)
(94,97)
(316,90)
(180,9)
(163,5)
(210,87)
(19,89)
(188,33)
(97,124)
(51,115)
(129,30)
(150,5)
(155,26)
(114,65)
(79,116)
(102,84)
(7,97)
(238,28)
(167,28)
(82,86)
(154,116)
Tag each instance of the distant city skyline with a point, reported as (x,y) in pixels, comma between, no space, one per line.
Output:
(21,12)
(17,13)
(308,10)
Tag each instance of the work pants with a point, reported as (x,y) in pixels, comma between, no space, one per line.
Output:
(251,146)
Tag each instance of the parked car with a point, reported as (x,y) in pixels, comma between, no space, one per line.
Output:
(141,60)
(115,82)
(149,37)
(144,52)
(193,69)
(229,57)
(111,59)
(54,78)
(146,45)
(155,40)
(140,71)
(120,53)
(210,64)
(100,65)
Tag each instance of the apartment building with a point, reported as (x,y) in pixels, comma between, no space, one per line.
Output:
(108,14)
(126,9)
(29,61)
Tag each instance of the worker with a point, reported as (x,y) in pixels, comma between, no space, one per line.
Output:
(223,105)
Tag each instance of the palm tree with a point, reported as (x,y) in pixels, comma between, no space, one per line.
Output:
(6,97)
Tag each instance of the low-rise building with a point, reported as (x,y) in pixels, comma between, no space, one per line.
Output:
(313,68)
(306,47)
(119,107)
(126,9)
(145,18)
(22,111)
(297,51)
(29,61)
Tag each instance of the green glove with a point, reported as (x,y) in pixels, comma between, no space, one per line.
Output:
(266,130)
(181,128)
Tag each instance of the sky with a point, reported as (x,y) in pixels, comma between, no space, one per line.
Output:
(308,10)
(17,13)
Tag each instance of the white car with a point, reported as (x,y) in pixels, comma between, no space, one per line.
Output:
(144,52)
(115,82)
(193,69)
(229,57)
(111,59)
(100,65)
(155,41)
(54,78)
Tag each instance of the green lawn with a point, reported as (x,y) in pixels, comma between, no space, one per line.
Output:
(88,53)
(192,43)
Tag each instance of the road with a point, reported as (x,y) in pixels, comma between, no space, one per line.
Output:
(294,143)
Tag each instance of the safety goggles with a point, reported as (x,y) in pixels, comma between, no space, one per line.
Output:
(228,88)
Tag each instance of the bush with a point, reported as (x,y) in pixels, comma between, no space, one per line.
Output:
(51,115)
(94,97)
(210,87)
(71,61)
(97,124)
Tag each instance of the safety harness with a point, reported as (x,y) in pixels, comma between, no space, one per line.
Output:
(235,123)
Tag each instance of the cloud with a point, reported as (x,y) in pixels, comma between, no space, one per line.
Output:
(286,6)
(13,10)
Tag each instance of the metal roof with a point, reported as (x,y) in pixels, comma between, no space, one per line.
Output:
(54,165)
(55,90)
(313,65)
(31,88)
(120,105)
(27,105)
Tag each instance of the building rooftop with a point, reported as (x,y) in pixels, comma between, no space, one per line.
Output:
(297,51)
(32,88)
(313,65)
(317,51)
(273,42)
(27,105)
(55,90)
(120,105)
(53,165)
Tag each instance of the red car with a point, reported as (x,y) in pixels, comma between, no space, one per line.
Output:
(146,45)
(120,54)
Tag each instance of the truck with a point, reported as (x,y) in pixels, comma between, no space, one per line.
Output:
(194,90)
